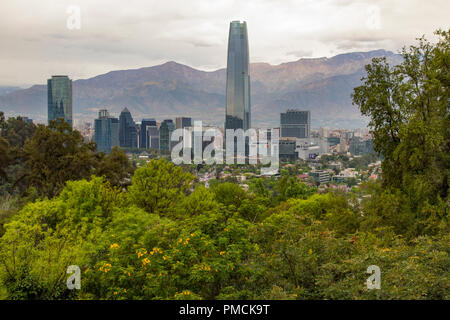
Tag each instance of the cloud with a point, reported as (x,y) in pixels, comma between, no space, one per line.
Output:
(300,53)
(137,33)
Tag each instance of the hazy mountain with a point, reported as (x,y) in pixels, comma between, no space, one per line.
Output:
(322,85)
(8,89)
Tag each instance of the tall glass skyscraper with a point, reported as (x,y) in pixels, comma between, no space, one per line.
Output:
(238,113)
(165,132)
(127,130)
(106,131)
(59,92)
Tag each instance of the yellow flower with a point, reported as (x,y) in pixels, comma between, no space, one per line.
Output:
(115,292)
(164,258)
(222,253)
(310,251)
(114,246)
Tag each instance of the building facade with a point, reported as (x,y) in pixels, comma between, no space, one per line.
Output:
(106,133)
(165,131)
(183,122)
(127,130)
(59,98)
(238,110)
(143,137)
(295,123)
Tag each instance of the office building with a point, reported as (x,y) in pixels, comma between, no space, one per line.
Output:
(143,137)
(287,148)
(106,133)
(359,147)
(238,114)
(152,137)
(183,122)
(59,98)
(320,176)
(295,123)
(324,132)
(165,131)
(127,130)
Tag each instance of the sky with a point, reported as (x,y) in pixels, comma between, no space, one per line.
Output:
(85,38)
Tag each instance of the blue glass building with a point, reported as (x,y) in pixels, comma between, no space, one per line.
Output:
(127,130)
(165,131)
(144,141)
(106,133)
(238,113)
(59,98)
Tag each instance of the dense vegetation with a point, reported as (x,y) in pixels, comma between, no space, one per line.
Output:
(163,235)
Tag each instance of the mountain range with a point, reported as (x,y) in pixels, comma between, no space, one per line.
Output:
(322,85)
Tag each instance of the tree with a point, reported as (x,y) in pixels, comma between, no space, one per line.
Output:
(115,167)
(5,157)
(229,193)
(158,186)
(16,131)
(56,154)
(408,106)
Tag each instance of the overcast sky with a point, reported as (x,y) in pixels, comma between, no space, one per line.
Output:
(36,42)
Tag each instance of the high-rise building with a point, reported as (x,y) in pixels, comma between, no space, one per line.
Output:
(59,98)
(153,137)
(238,115)
(165,131)
(183,122)
(324,132)
(143,143)
(127,130)
(357,146)
(106,131)
(287,148)
(296,123)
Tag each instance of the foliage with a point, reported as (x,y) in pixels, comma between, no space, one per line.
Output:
(157,186)
(409,109)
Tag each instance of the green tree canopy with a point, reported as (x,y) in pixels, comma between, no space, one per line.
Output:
(56,154)
(158,185)
(408,106)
